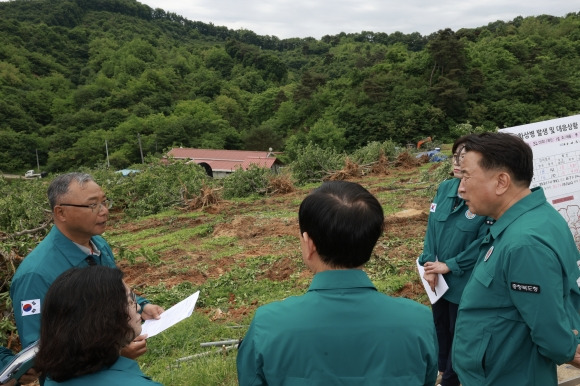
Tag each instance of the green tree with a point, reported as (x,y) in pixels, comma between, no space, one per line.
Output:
(231,111)
(327,134)
(262,138)
(218,60)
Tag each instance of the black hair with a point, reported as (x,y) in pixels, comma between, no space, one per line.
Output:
(504,151)
(344,221)
(84,323)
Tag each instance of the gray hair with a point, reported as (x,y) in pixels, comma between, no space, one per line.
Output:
(59,186)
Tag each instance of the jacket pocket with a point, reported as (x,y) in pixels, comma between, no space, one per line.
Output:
(483,350)
(482,276)
(471,362)
(479,360)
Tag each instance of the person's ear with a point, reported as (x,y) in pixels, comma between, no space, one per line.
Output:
(503,182)
(58,213)
(309,244)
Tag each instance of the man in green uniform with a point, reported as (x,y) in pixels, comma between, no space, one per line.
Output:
(342,331)
(80,211)
(451,248)
(518,316)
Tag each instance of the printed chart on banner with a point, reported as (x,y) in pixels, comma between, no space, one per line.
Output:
(556,147)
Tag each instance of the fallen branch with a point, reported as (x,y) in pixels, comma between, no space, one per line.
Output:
(26,231)
(223,350)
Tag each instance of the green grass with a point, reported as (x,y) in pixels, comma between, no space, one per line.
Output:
(250,285)
(393,284)
(391,202)
(164,351)
(222,247)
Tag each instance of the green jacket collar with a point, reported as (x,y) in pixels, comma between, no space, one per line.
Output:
(340,279)
(67,247)
(535,199)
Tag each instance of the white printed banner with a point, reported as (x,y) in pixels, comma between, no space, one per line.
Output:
(556,147)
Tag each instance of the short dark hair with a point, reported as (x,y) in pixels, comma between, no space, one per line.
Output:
(504,151)
(60,185)
(344,221)
(84,323)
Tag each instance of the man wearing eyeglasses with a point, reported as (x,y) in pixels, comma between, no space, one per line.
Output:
(80,211)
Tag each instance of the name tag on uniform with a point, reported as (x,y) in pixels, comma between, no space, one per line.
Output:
(531,288)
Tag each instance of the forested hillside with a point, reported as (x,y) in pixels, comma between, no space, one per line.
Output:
(76,74)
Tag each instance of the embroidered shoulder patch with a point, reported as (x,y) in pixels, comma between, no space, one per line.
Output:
(433,207)
(469,215)
(531,288)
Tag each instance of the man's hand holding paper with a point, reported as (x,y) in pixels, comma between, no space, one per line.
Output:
(169,317)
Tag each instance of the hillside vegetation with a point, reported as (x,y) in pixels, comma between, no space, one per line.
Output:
(78,77)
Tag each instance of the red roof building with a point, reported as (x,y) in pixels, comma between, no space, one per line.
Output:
(220,163)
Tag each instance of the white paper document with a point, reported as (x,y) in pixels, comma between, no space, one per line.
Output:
(169,317)
(440,288)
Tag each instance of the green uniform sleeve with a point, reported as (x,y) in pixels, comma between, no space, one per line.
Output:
(429,242)
(26,288)
(5,356)
(535,278)
(465,260)
(249,361)
(142,303)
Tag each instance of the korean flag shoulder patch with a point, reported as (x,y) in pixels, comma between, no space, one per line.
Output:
(30,307)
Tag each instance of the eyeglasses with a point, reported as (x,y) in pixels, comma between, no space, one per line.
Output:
(459,154)
(134,300)
(458,157)
(107,204)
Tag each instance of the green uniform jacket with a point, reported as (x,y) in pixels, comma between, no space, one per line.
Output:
(521,304)
(341,332)
(51,257)
(124,372)
(453,236)
(5,357)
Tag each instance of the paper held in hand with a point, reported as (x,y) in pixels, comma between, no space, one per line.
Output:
(440,288)
(20,364)
(169,317)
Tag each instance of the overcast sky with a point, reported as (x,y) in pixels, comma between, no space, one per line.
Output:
(316,18)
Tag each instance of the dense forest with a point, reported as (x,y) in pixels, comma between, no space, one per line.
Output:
(83,78)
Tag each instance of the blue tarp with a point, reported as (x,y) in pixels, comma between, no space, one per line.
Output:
(126,172)
(434,155)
